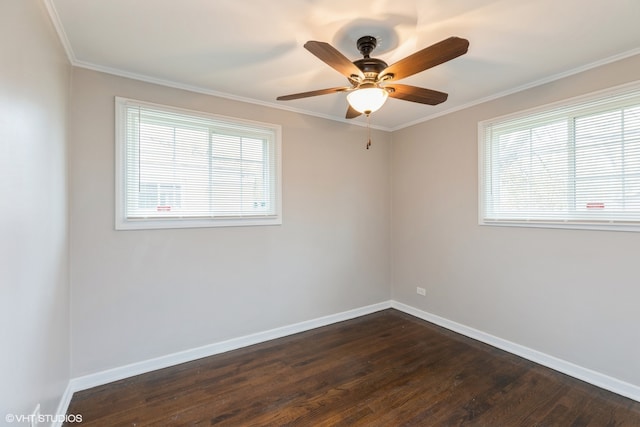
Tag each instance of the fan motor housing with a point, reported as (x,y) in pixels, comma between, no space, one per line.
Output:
(370,65)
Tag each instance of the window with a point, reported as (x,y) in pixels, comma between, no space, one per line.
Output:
(573,165)
(177,168)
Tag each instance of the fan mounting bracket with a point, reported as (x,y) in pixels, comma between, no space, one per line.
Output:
(366,45)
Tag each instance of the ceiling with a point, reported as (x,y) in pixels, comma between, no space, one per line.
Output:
(252,50)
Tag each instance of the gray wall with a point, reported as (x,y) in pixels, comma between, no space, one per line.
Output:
(143,294)
(567,293)
(34,288)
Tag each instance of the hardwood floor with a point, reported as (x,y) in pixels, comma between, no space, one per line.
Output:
(384,369)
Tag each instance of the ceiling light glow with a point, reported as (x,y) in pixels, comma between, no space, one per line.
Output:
(368,99)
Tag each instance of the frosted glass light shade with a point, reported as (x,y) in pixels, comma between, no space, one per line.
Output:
(367,100)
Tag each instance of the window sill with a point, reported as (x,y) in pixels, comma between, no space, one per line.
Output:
(568,225)
(171,223)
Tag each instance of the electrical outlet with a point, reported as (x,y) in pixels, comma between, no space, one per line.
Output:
(35,416)
(421,291)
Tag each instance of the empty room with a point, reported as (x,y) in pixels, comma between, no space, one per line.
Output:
(300,212)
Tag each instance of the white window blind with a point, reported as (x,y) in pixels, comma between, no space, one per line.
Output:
(178,168)
(575,164)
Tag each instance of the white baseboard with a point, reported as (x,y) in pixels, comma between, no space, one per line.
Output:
(592,377)
(63,406)
(104,377)
(115,374)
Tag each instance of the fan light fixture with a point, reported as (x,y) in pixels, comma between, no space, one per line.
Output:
(372,81)
(368,99)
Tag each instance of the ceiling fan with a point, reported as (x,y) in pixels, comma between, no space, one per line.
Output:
(372,80)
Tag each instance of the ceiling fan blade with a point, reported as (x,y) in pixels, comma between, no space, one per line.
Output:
(416,94)
(426,58)
(333,58)
(312,93)
(352,113)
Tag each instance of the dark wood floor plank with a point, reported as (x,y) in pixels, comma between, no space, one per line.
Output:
(384,369)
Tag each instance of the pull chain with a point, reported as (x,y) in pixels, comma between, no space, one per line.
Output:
(369,130)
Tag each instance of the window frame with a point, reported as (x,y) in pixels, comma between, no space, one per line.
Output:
(123,222)
(555,109)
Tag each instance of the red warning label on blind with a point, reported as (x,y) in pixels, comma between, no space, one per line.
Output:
(595,205)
